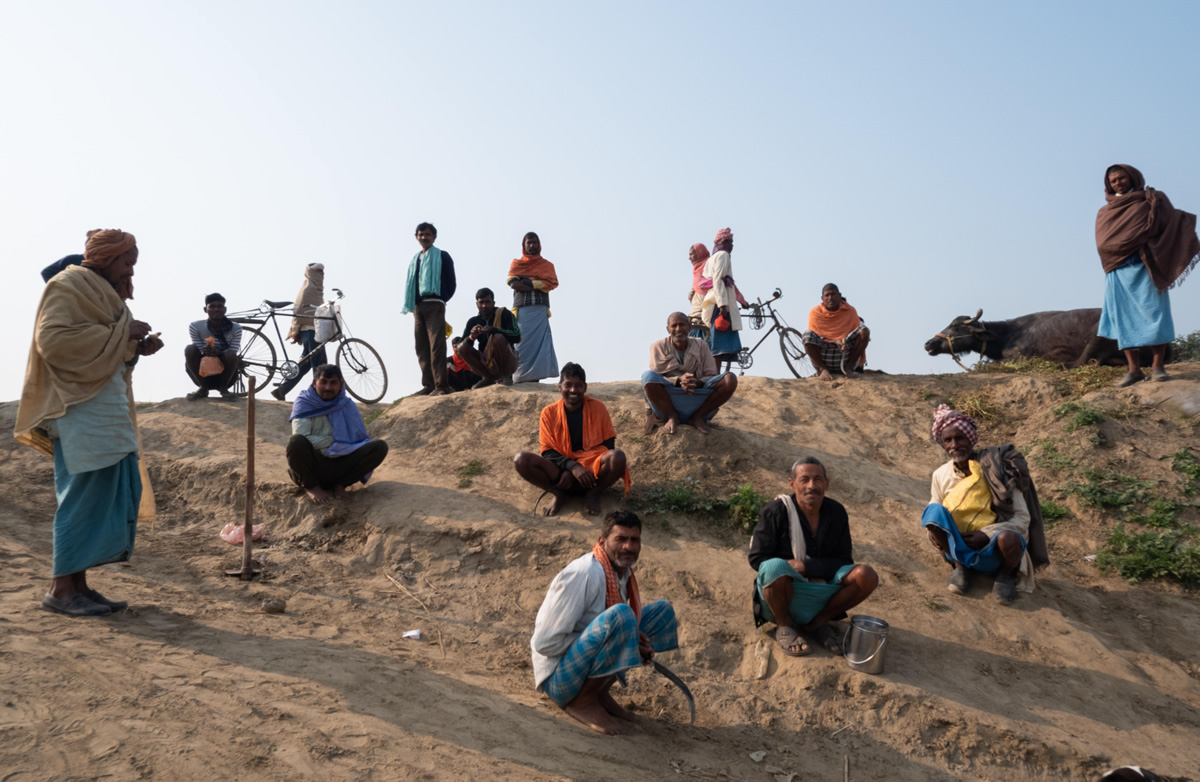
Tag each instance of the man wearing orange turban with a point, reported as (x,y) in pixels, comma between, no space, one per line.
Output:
(77,407)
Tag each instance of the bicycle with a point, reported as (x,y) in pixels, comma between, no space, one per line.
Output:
(362,368)
(791,343)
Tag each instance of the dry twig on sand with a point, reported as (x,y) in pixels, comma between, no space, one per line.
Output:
(406,591)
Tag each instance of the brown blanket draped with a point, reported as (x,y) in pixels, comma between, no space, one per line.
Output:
(1005,470)
(1144,221)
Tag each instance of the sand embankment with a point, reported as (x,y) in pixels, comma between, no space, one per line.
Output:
(195,682)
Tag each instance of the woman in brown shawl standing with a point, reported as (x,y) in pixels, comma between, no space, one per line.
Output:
(1146,247)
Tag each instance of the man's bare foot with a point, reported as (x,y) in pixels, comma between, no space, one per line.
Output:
(700,424)
(825,376)
(670,425)
(595,717)
(318,495)
(340,493)
(651,421)
(555,504)
(610,705)
(591,501)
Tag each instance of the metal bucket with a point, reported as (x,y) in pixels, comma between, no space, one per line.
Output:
(865,643)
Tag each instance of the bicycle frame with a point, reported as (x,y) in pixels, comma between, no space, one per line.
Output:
(269,313)
(776,325)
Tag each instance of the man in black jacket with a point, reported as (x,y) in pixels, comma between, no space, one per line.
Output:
(802,551)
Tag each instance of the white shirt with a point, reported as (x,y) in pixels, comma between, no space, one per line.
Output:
(574,599)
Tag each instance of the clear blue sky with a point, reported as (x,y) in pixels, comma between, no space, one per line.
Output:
(930,158)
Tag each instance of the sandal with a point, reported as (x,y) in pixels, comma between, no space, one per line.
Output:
(829,638)
(787,637)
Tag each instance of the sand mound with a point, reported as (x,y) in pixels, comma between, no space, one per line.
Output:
(197,682)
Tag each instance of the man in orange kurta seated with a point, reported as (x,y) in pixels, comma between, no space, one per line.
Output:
(837,338)
(578,447)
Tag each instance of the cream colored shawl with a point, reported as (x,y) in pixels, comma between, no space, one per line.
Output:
(80,340)
(311,296)
(799,546)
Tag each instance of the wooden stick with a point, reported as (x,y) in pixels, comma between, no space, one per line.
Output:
(414,597)
(404,589)
(431,586)
(846,775)
(247,545)
(839,730)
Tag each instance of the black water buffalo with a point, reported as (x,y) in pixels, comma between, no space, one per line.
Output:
(1065,337)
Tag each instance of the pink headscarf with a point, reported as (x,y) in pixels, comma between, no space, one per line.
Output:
(945,417)
(701,253)
(723,240)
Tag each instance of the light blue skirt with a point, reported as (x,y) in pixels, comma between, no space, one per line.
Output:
(535,352)
(96,520)
(1135,314)
(723,341)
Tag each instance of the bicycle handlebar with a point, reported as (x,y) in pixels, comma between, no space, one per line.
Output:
(778,294)
(267,307)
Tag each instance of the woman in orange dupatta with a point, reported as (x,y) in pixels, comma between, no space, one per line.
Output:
(532,278)
(578,447)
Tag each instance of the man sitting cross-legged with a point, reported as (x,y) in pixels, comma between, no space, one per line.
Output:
(802,551)
(592,628)
(983,511)
(836,340)
(329,449)
(215,336)
(495,329)
(578,445)
(683,383)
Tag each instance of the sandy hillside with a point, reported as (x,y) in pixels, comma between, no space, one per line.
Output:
(196,682)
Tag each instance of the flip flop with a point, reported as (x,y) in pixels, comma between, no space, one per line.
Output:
(787,637)
(829,638)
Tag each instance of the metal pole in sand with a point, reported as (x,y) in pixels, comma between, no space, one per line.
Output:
(247,571)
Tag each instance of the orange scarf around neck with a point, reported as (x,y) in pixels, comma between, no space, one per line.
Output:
(535,267)
(612,589)
(833,325)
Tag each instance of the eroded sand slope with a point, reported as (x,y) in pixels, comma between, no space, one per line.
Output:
(196,682)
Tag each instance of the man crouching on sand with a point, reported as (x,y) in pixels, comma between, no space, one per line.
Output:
(983,513)
(329,449)
(578,445)
(592,627)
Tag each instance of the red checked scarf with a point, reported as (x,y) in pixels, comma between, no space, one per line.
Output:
(612,590)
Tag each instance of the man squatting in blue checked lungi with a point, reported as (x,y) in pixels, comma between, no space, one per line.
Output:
(592,627)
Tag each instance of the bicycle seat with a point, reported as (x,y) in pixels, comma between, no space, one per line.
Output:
(278,304)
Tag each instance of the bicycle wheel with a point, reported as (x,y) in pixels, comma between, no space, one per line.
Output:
(363,370)
(255,358)
(792,346)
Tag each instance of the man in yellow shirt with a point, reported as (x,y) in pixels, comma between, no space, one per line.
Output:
(983,513)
